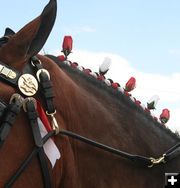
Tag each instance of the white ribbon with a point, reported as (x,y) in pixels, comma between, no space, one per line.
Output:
(50,147)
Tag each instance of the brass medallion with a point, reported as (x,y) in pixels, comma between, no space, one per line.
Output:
(28,84)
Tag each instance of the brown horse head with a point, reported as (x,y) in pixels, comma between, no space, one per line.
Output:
(86,106)
(30,39)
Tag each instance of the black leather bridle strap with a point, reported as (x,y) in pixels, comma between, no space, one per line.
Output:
(140,160)
(9,117)
(172,152)
(9,75)
(3,106)
(32,116)
(27,161)
(45,85)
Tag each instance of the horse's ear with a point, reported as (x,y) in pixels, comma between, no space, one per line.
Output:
(30,39)
(9,32)
(45,24)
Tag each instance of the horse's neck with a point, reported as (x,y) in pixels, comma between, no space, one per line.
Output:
(93,112)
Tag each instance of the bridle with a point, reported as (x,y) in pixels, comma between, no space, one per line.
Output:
(8,114)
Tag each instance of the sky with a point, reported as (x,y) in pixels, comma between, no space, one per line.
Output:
(141,38)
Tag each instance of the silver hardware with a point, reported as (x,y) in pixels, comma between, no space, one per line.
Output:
(157,161)
(7,72)
(27,100)
(55,125)
(40,71)
(32,63)
(28,84)
(16,97)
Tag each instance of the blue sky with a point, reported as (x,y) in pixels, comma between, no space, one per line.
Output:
(145,33)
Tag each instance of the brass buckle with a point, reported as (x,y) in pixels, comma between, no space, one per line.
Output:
(157,161)
(7,72)
(27,100)
(55,125)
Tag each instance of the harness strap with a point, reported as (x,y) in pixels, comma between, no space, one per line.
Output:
(32,116)
(172,152)
(2,108)
(26,162)
(140,160)
(45,85)
(11,113)
(9,74)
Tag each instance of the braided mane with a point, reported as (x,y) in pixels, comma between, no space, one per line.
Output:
(117,95)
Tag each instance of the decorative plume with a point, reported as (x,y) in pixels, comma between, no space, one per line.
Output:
(115,85)
(104,67)
(151,104)
(67,45)
(130,85)
(165,115)
(61,57)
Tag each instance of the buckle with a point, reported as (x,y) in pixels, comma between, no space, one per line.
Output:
(9,73)
(42,71)
(28,99)
(16,98)
(157,161)
(55,125)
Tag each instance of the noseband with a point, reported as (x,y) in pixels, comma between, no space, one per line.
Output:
(26,85)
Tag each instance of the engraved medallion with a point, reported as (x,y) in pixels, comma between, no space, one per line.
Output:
(28,84)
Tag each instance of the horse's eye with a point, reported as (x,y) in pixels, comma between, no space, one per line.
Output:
(3,40)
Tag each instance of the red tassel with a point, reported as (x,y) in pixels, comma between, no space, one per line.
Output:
(165,115)
(43,117)
(67,45)
(61,58)
(115,85)
(131,84)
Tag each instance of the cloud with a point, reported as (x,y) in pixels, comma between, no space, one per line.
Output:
(174,51)
(148,84)
(88,29)
(78,30)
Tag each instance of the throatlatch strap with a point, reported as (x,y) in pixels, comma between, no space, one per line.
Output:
(32,116)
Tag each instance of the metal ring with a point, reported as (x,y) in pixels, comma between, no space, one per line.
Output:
(40,71)
(32,63)
(27,100)
(51,114)
(16,97)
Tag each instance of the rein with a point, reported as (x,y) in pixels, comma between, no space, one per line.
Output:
(8,114)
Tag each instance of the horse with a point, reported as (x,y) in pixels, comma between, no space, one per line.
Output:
(124,146)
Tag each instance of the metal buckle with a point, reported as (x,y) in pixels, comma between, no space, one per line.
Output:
(40,71)
(55,125)
(157,161)
(16,97)
(37,61)
(27,100)
(7,72)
